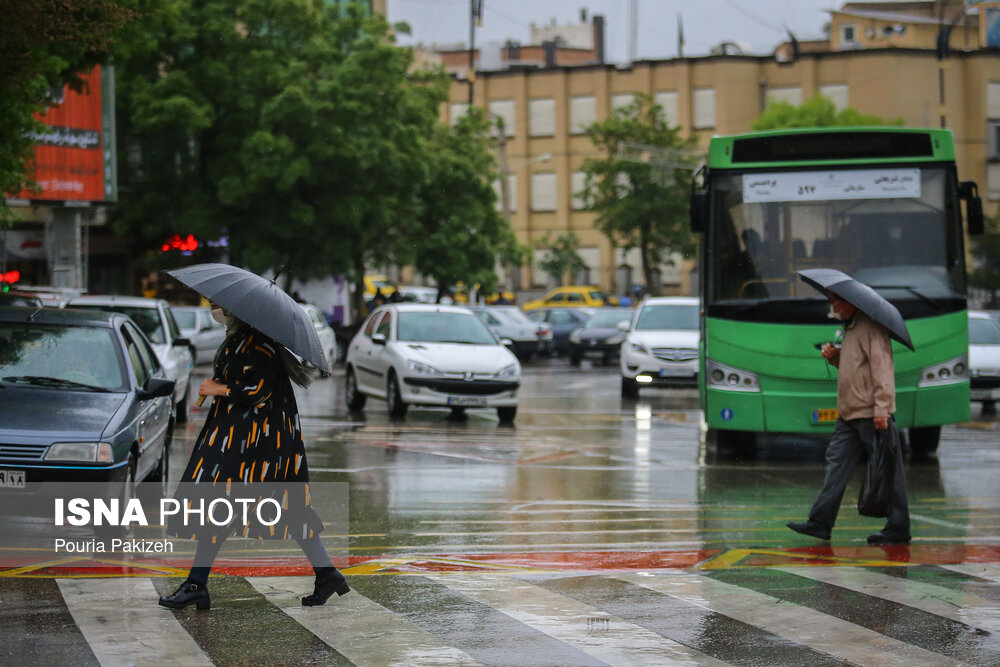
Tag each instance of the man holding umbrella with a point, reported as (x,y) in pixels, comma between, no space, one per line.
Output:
(866,399)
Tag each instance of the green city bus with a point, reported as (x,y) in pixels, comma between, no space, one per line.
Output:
(880,204)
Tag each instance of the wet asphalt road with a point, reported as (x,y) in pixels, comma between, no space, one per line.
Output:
(596,530)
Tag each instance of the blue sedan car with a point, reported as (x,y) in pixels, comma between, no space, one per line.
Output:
(83,398)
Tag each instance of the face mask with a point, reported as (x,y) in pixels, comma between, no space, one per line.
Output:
(218,315)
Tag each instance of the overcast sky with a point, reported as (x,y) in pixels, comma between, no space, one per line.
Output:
(758,24)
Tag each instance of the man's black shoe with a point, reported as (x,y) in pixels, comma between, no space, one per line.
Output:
(809,528)
(888,537)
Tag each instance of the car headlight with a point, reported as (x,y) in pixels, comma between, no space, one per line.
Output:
(950,372)
(88,452)
(423,369)
(615,339)
(638,348)
(721,376)
(508,372)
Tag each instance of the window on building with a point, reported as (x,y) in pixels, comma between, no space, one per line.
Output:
(848,35)
(837,93)
(542,117)
(668,100)
(790,94)
(458,109)
(511,192)
(622,100)
(993,100)
(704,108)
(582,113)
(543,191)
(504,109)
(577,181)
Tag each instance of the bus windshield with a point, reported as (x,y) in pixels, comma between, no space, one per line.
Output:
(891,228)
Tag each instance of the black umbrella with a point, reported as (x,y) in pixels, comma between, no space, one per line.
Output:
(258,302)
(864,297)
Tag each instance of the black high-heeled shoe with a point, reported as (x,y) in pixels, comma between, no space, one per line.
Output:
(329,580)
(190,592)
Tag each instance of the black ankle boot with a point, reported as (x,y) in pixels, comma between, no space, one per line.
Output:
(190,592)
(329,580)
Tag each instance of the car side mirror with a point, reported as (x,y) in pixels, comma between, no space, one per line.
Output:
(155,388)
(506,342)
(186,342)
(379,339)
(624,326)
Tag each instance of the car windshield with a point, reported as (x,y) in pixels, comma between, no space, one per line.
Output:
(186,319)
(512,315)
(654,317)
(74,357)
(604,319)
(443,327)
(983,332)
(148,319)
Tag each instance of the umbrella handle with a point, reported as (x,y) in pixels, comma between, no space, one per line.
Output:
(201,399)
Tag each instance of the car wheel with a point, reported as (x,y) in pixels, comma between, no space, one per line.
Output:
(508,414)
(125,494)
(182,407)
(924,440)
(458,414)
(574,359)
(630,388)
(397,408)
(354,398)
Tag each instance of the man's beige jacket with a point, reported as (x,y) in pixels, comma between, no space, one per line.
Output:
(866,383)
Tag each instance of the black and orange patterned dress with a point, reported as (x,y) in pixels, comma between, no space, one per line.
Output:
(252,436)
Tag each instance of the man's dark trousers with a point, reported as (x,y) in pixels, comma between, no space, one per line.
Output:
(851,439)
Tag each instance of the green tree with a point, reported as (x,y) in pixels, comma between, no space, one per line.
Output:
(461,236)
(46,45)
(561,256)
(816,112)
(641,204)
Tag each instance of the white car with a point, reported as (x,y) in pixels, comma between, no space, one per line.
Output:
(417,293)
(661,347)
(327,339)
(199,327)
(156,319)
(430,355)
(527,336)
(984,359)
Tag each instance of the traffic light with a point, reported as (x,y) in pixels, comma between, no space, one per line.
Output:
(7,279)
(184,244)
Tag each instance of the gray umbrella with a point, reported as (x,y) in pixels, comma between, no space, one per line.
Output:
(867,300)
(259,302)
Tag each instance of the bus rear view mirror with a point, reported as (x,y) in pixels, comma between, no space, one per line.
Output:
(968,191)
(699,211)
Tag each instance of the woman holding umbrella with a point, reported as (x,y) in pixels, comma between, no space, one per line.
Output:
(252,433)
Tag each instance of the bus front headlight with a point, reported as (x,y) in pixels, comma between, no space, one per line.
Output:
(952,371)
(729,378)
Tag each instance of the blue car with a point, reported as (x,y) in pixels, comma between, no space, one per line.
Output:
(83,398)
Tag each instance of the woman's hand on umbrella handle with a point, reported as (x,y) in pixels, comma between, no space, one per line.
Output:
(211,387)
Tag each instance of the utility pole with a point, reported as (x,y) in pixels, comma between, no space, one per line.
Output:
(505,189)
(475,18)
(633,29)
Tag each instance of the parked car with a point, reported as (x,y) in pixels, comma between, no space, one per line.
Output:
(984,360)
(17,298)
(198,326)
(156,320)
(418,294)
(508,322)
(432,355)
(601,335)
(661,345)
(327,338)
(375,282)
(562,322)
(571,297)
(85,399)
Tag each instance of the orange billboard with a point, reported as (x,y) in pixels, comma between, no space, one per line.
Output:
(69,158)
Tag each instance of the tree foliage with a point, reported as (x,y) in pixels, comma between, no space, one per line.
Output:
(561,256)
(641,204)
(819,111)
(46,45)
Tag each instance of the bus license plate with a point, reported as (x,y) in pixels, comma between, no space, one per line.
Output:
(825,416)
(11,479)
(466,401)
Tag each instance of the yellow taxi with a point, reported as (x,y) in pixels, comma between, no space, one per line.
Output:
(375,281)
(462,295)
(572,296)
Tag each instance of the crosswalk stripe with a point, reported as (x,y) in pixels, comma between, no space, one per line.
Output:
(958,606)
(363,631)
(989,571)
(604,636)
(805,626)
(123,625)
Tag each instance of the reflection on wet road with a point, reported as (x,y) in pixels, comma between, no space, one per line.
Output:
(595,530)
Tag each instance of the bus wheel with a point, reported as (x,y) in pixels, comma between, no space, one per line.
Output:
(924,440)
(741,444)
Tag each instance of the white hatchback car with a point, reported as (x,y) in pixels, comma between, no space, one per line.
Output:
(156,319)
(984,360)
(661,347)
(199,327)
(327,339)
(432,355)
